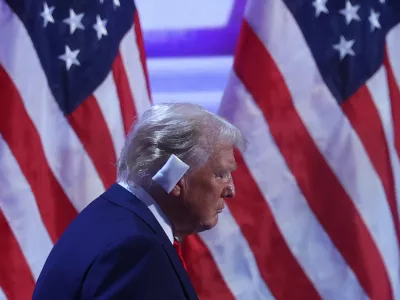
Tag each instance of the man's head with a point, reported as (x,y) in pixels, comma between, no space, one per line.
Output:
(200,139)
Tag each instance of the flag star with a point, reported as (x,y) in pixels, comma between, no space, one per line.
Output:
(74,21)
(70,57)
(382,1)
(320,7)
(374,20)
(100,27)
(116,3)
(344,47)
(101,1)
(350,12)
(47,14)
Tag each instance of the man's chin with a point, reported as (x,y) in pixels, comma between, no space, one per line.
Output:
(209,224)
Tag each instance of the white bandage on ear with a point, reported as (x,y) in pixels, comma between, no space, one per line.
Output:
(171,173)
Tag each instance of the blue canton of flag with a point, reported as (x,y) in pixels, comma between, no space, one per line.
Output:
(76,42)
(347,38)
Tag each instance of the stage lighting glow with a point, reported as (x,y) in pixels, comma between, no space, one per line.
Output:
(184,14)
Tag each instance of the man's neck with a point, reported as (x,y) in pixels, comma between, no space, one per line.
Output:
(153,206)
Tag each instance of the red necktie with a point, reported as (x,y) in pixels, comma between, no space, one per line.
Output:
(178,249)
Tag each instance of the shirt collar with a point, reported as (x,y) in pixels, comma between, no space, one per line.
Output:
(155,209)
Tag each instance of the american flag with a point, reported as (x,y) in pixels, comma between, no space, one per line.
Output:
(315,89)
(72,79)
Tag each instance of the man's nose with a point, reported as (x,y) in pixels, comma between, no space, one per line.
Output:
(230,191)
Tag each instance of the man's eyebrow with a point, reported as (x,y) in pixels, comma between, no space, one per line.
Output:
(231,166)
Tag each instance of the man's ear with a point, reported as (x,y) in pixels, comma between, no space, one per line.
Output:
(177,190)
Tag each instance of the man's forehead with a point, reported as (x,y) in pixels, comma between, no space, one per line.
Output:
(225,158)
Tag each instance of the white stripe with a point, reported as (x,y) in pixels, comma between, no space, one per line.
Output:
(134,69)
(378,86)
(324,120)
(21,212)
(65,154)
(307,240)
(393,47)
(2,295)
(235,259)
(107,98)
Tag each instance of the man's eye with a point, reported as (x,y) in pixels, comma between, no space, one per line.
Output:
(224,176)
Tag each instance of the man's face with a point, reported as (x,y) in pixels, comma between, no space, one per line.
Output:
(206,189)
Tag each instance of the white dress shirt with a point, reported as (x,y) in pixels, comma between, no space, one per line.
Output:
(143,196)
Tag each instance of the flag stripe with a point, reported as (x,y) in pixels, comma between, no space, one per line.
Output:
(395,100)
(392,65)
(65,154)
(133,67)
(24,220)
(361,107)
(295,220)
(206,277)
(2,295)
(272,96)
(393,48)
(15,277)
(258,215)
(378,86)
(90,126)
(236,263)
(23,139)
(107,98)
(142,52)
(126,101)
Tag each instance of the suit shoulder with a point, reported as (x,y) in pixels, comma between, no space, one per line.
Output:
(133,245)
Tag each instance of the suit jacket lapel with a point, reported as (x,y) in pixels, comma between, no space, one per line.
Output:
(179,269)
(122,197)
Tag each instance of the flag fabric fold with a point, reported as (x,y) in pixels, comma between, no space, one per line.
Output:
(315,90)
(72,79)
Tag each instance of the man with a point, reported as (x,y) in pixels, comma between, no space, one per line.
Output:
(173,176)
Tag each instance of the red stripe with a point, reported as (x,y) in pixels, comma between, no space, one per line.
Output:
(16,278)
(90,126)
(278,267)
(361,111)
(325,195)
(21,136)
(125,96)
(206,277)
(142,51)
(394,100)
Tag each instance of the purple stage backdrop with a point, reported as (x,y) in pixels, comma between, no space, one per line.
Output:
(190,46)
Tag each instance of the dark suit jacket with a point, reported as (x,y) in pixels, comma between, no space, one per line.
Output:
(114,249)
